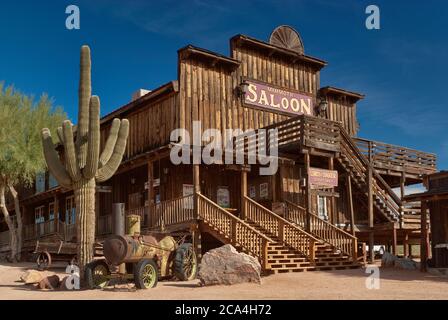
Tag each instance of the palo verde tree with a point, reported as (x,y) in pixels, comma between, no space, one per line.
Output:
(84,166)
(21,157)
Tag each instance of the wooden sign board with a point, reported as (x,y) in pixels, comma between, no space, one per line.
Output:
(322,179)
(266,96)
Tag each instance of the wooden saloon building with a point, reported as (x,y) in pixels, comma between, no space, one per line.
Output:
(332,191)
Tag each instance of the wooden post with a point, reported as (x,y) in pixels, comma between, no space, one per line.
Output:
(370,213)
(308,192)
(197,242)
(243,193)
(423,239)
(197,188)
(312,250)
(150,192)
(394,241)
(406,245)
(350,204)
(402,185)
(56,213)
(333,207)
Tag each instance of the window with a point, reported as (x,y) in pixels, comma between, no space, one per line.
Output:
(40,182)
(39,216)
(70,210)
(322,207)
(51,211)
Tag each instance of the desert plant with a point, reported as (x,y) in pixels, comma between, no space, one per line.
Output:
(21,159)
(83,165)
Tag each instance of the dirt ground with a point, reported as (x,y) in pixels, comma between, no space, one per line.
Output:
(343,284)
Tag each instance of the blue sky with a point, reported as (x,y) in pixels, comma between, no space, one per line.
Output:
(401,68)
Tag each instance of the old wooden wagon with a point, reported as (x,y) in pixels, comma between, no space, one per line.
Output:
(48,252)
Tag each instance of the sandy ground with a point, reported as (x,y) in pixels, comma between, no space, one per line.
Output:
(343,284)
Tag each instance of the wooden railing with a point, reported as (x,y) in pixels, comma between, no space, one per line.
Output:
(36,231)
(361,166)
(143,212)
(284,230)
(104,225)
(239,233)
(323,230)
(398,158)
(302,130)
(171,212)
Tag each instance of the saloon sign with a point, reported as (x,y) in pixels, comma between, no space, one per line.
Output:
(268,97)
(322,179)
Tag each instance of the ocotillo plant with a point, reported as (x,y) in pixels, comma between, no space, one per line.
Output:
(83,165)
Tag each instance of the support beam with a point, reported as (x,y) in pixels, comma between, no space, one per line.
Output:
(308,192)
(150,193)
(370,213)
(423,240)
(56,212)
(197,187)
(244,193)
(394,241)
(406,245)
(197,242)
(350,204)
(333,206)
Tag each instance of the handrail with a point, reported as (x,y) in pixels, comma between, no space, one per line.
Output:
(286,231)
(327,232)
(172,211)
(383,190)
(394,155)
(238,231)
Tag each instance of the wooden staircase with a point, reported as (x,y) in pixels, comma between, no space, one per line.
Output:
(365,176)
(280,245)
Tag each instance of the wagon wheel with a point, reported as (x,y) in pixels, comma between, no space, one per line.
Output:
(146,274)
(97,274)
(185,262)
(43,260)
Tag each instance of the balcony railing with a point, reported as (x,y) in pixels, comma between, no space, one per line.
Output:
(104,225)
(392,157)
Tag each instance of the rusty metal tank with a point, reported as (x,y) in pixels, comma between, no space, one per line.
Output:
(119,249)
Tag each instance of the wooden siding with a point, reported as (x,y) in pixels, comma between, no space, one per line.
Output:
(341,109)
(150,125)
(208,91)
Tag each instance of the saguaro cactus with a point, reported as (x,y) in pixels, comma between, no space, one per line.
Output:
(83,165)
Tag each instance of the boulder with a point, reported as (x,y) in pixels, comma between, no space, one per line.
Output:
(405,263)
(388,260)
(225,265)
(32,276)
(50,282)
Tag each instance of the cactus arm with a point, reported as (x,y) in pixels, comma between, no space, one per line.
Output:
(93,149)
(84,93)
(110,143)
(51,157)
(70,155)
(107,171)
(60,135)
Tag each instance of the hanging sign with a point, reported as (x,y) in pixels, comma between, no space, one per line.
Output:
(276,99)
(321,178)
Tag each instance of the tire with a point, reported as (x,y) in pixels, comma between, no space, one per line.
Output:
(146,274)
(185,262)
(43,261)
(97,274)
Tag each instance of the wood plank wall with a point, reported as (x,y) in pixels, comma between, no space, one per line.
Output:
(207,92)
(341,109)
(150,125)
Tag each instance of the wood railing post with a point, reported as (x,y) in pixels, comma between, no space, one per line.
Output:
(243,193)
(308,192)
(281,230)
(355,249)
(312,250)
(370,214)
(197,190)
(264,253)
